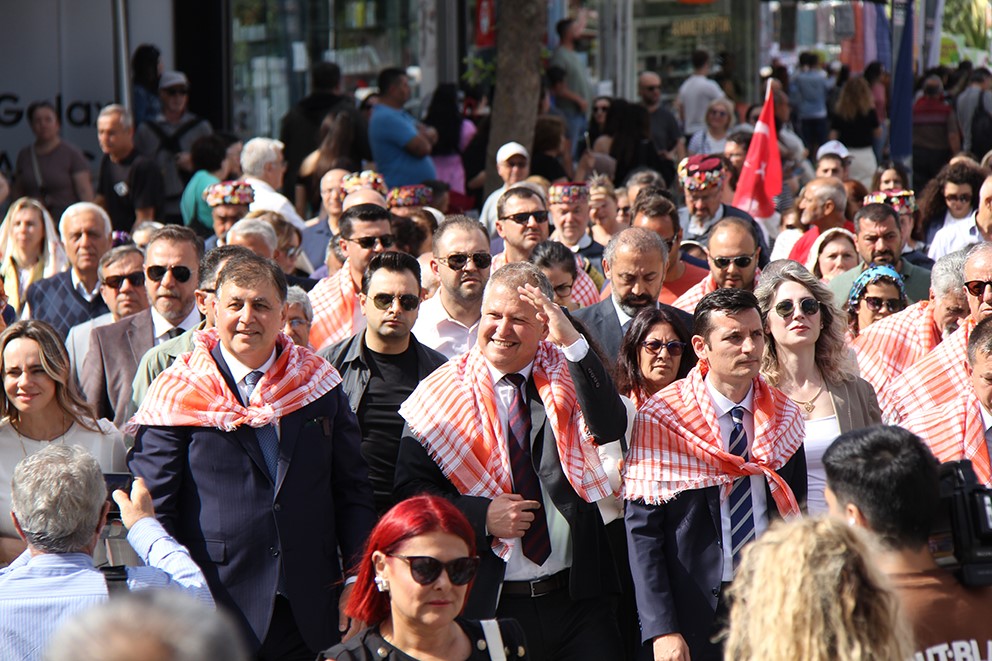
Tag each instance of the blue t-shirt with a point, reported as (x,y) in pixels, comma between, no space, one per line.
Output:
(389,131)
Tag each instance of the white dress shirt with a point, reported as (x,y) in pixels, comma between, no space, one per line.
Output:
(161,326)
(78,285)
(987,423)
(436,329)
(723,406)
(268,198)
(955,236)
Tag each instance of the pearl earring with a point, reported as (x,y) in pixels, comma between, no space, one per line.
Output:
(381,584)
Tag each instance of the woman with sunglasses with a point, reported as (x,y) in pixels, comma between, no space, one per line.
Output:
(31,249)
(417,568)
(807,358)
(655,352)
(713,138)
(877,293)
(950,198)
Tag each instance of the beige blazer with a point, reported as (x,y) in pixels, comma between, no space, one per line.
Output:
(855,404)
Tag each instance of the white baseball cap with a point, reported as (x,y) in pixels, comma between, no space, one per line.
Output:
(511,149)
(833,147)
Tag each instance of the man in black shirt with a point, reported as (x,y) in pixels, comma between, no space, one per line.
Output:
(383,364)
(129,186)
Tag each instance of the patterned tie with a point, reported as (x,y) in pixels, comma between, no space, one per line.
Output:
(173,333)
(741,506)
(268,441)
(537,540)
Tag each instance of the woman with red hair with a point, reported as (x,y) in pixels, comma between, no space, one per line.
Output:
(414,575)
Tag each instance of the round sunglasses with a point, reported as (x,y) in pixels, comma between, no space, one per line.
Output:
(425,569)
(875,303)
(808,306)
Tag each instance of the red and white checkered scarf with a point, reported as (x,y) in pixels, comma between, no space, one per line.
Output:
(333,300)
(584,291)
(677,444)
(689,300)
(955,431)
(192,391)
(454,416)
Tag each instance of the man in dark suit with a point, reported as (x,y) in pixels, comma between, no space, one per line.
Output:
(265,510)
(635,261)
(552,569)
(171,277)
(693,504)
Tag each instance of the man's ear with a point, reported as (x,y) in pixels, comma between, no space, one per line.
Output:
(699,346)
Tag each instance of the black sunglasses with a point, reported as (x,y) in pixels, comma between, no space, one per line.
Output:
(368,242)
(741,261)
(407,301)
(875,303)
(137,279)
(977,287)
(425,569)
(459,260)
(808,306)
(654,347)
(624,210)
(180,273)
(524,217)
(176,91)
(561,291)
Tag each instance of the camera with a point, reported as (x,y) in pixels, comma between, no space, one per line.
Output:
(961,539)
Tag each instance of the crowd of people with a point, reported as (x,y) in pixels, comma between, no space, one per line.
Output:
(350,409)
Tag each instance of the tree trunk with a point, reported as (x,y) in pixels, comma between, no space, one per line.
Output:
(519,39)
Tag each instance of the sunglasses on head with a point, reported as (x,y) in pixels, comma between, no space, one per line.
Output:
(654,347)
(137,279)
(180,273)
(408,302)
(977,287)
(368,242)
(875,303)
(425,569)
(524,217)
(741,261)
(808,306)
(456,261)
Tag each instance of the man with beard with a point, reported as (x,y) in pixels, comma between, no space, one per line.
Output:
(381,366)
(889,346)
(942,374)
(636,261)
(733,252)
(449,321)
(702,178)
(879,241)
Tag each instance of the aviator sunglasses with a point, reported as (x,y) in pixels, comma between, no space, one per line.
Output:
(425,569)
(458,260)
(524,217)
(741,261)
(180,273)
(137,279)
(368,242)
(408,302)
(808,306)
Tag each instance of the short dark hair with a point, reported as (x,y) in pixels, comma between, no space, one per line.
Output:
(208,152)
(891,476)
(653,204)
(178,234)
(728,301)
(523,192)
(562,27)
(980,340)
(979,75)
(551,254)
(389,77)
(700,59)
(360,212)
(214,258)
(876,212)
(252,270)
(394,262)
(325,76)
(742,138)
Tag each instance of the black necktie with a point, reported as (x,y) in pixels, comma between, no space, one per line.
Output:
(173,333)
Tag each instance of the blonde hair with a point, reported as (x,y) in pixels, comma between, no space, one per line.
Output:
(855,99)
(808,590)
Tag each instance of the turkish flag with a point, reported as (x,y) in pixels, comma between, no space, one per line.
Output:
(761,175)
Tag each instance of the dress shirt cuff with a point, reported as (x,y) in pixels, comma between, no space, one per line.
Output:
(144,535)
(577,350)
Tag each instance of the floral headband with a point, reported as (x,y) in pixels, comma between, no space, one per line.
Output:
(416,195)
(573,191)
(229,192)
(700,172)
(900,200)
(364,179)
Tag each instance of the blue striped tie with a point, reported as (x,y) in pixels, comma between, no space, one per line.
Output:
(268,441)
(741,506)
(537,539)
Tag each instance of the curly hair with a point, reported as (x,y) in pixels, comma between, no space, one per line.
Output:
(809,590)
(931,199)
(832,356)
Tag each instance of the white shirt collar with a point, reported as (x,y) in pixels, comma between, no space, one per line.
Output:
(497,375)
(259,184)
(723,405)
(161,325)
(238,369)
(584,242)
(78,285)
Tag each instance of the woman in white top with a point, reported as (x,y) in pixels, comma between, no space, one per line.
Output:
(31,249)
(42,405)
(807,358)
(713,138)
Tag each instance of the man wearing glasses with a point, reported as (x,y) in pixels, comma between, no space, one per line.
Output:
(381,366)
(665,131)
(449,321)
(733,251)
(168,138)
(171,277)
(365,232)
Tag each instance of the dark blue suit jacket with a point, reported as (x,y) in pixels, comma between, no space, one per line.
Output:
(603,323)
(676,559)
(212,492)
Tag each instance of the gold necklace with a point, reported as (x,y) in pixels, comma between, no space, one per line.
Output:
(811,404)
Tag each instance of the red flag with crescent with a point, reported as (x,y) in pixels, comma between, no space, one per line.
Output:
(761,174)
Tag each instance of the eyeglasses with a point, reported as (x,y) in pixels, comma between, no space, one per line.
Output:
(137,279)
(875,303)
(296,323)
(408,302)
(741,261)
(977,287)
(180,273)
(425,569)
(176,91)
(368,242)
(561,291)
(654,347)
(524,217)
(963,198)
(293,252)
(456,261)
(808,306)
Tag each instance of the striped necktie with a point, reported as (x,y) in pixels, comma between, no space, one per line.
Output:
(537,539)
(268,441)
(741,505)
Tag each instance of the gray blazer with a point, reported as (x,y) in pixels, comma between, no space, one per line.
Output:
(111,363)
(855,404)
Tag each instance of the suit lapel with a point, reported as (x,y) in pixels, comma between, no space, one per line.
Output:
(140,336)
(289,432)
(244,434)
